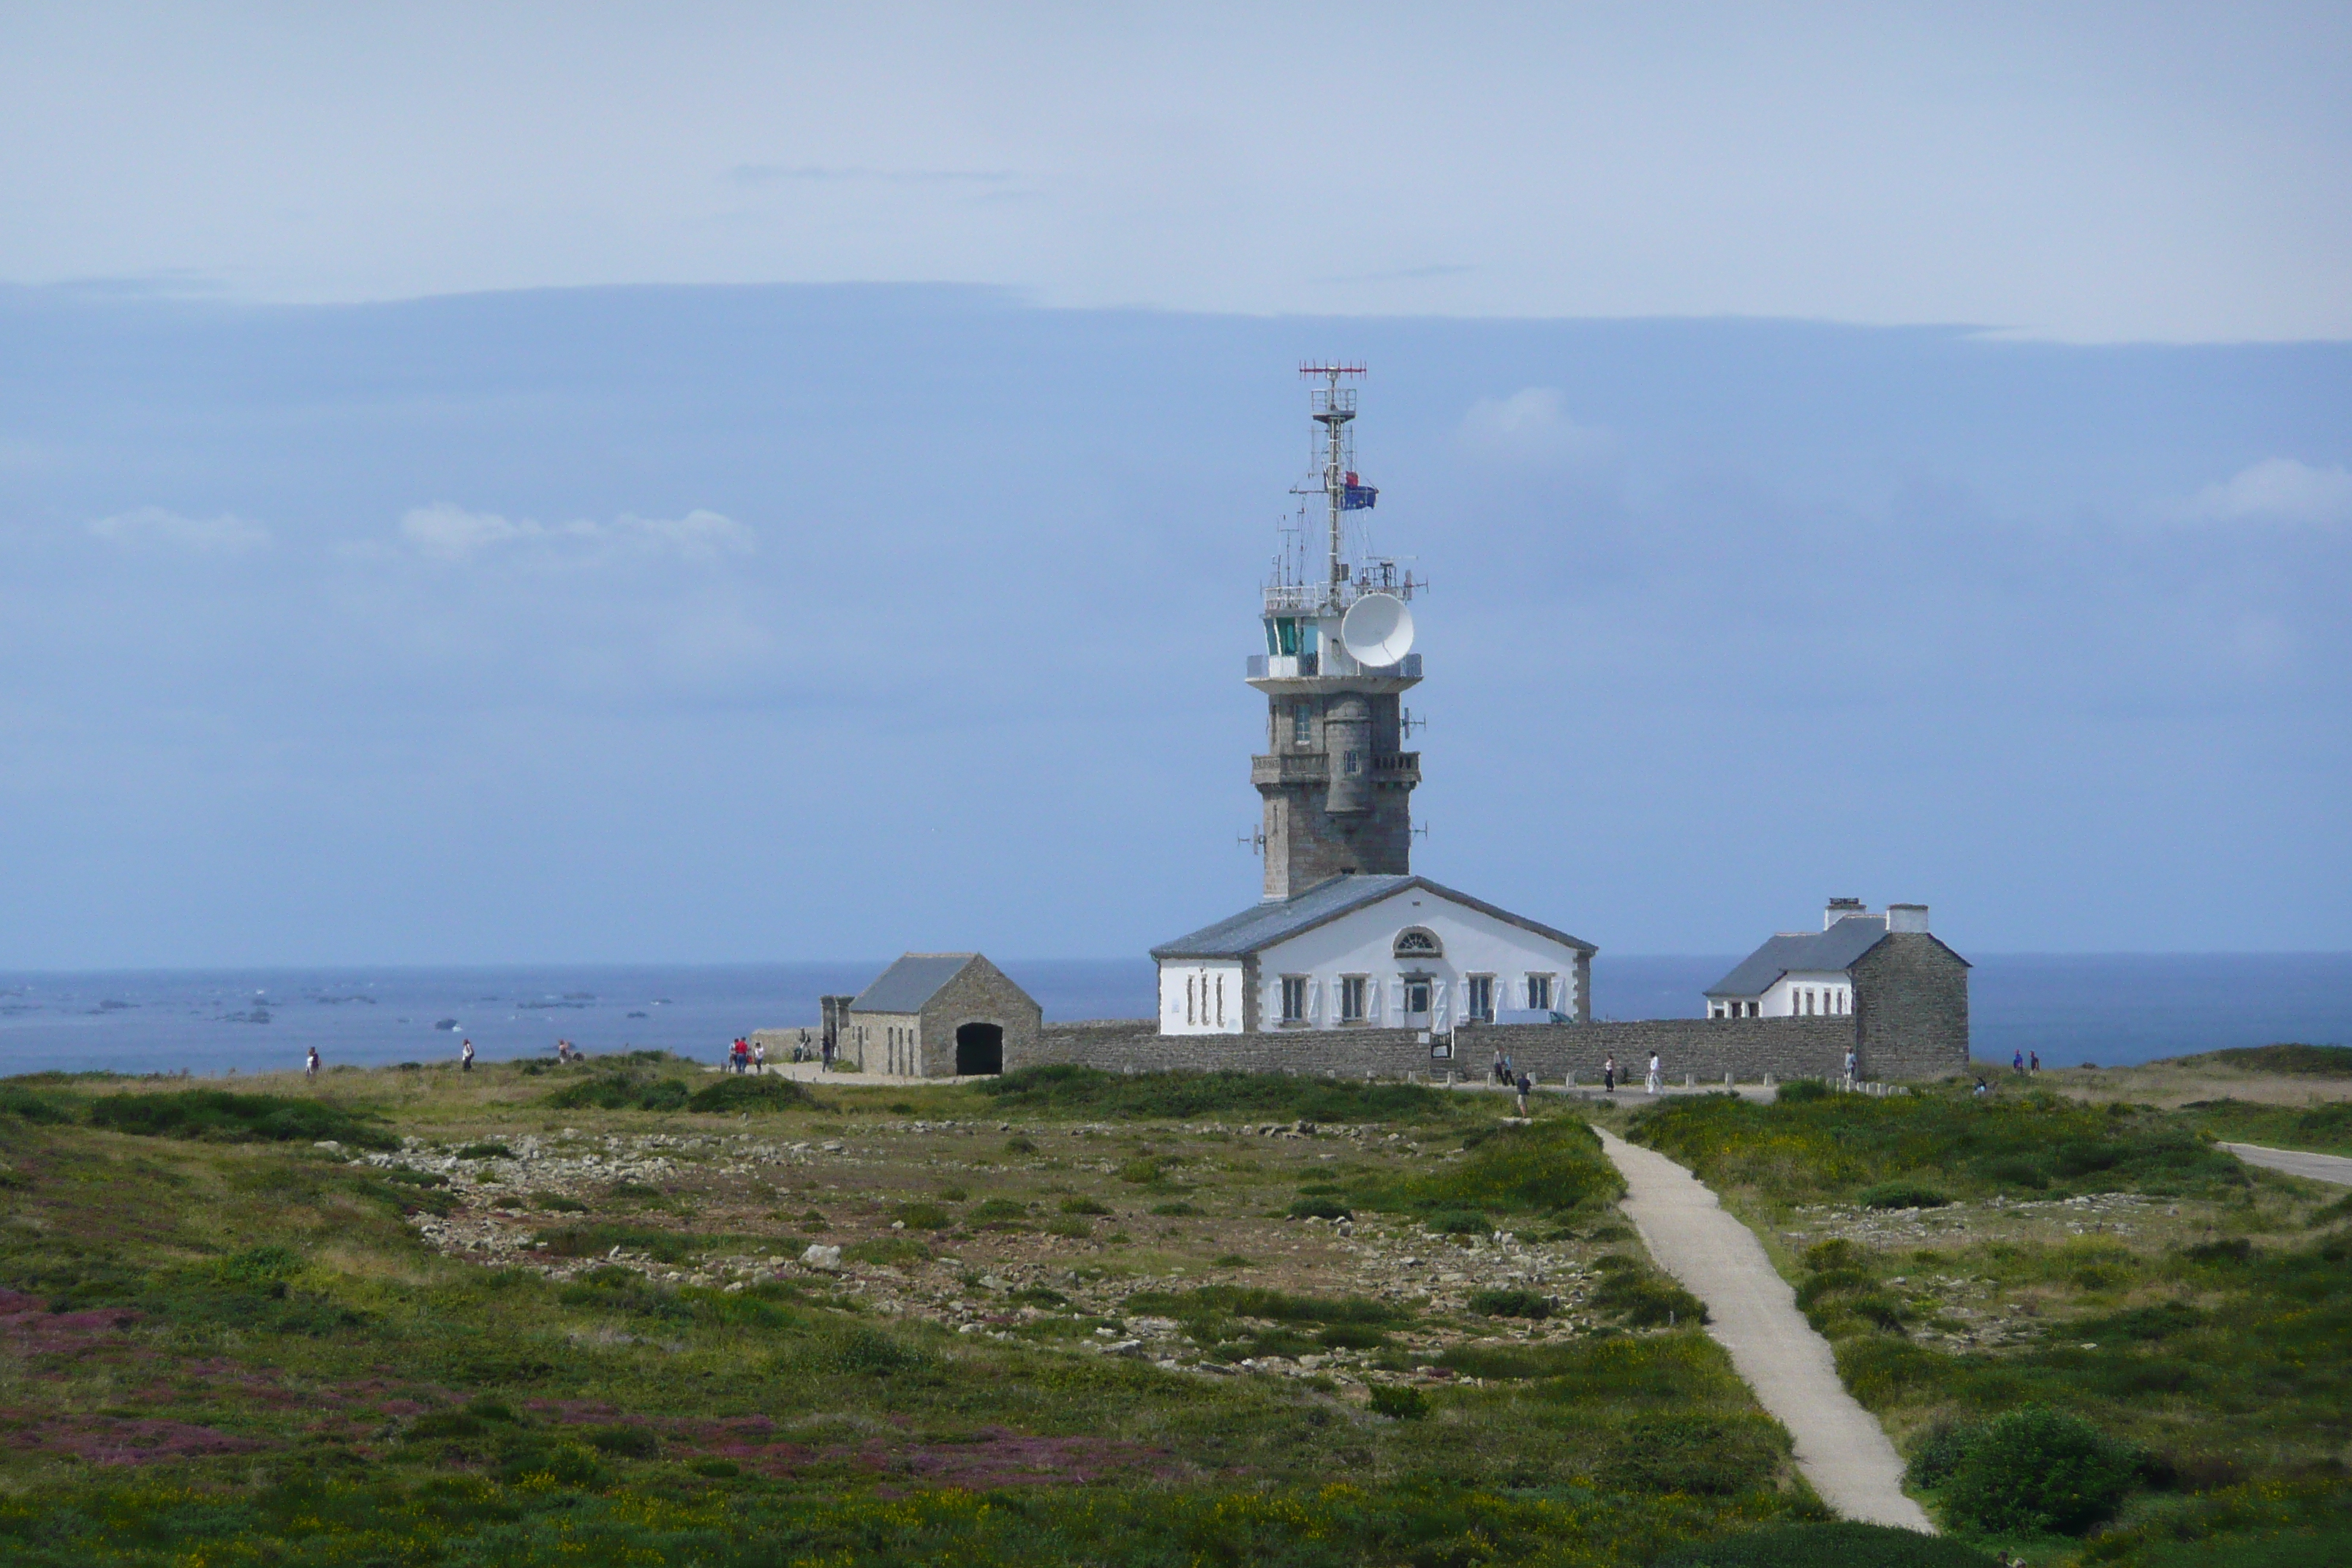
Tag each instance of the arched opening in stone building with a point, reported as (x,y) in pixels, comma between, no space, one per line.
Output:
(980,1048)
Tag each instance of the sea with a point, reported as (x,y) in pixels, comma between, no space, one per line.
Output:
(2106,1009)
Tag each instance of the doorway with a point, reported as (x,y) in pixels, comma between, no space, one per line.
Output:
(980,1048)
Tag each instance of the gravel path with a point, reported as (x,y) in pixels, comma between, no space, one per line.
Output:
(2333,1168)
(1841,1447)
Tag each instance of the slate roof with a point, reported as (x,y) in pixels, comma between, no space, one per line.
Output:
(907,985)
(1810,953)
(1262,925)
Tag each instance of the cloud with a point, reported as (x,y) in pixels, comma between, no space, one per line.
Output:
(1532,425)
(152,525)
(447,532)
(2276,489)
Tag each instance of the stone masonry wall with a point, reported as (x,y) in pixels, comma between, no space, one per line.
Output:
(980,994)
(1706,1048)
(1911,1008)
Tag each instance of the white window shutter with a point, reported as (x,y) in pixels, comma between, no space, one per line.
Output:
(1371,1001)
(1314,1001)
(1437,999)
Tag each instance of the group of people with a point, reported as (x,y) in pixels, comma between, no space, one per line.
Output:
(2025,1064)
(745,1056)
(1651,1081)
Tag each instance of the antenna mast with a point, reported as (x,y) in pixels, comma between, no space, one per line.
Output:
(1334,406)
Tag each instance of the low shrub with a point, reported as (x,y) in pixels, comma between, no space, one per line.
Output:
(626,1087)
(556,1203)
(1510,1304)
(220,1116)
(887,1249)
(923,1216)
(1704,1456)
(25,1106)
(1844,1545)
(1176,1211)
(995,1214)
(736,1091)
(1901,1195)
(486,1150)
(595,1240)
(2037,1470)
(1648,1301)
(1318,1208)
(1399,1403)
(1083,1206)
(1457,1222)
(624,1442)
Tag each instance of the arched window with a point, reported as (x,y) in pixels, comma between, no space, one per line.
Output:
(1417,941)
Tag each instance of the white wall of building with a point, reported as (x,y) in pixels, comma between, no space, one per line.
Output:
(1797,995)
(1363,942)
(1200,996)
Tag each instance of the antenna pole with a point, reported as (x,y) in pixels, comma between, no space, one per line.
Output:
(1333,409)
(1334,488)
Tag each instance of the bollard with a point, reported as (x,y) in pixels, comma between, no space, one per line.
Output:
(1726,1077)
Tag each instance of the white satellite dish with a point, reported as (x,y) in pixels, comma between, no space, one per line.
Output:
(1377,630)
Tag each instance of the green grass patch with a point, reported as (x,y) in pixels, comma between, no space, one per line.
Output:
(1077,1091)
(741,1092)
(1809,1149)
(663,1246)
(1554,1167)
(1842,1544)
(220,1116)
(2323,1129)
(1529,1304)
(2296,1059)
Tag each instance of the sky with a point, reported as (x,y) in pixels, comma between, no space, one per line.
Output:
(635,484)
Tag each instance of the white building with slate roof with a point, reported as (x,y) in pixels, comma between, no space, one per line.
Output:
(1372,952)
(1808,974)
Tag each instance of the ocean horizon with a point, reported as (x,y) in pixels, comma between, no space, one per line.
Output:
(2112,1009)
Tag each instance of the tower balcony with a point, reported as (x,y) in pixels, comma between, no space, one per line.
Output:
(1281,768)
(1276,673)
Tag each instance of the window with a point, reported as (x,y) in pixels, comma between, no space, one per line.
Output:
(1416,994)
(1415,943)
(1540,993)
(1220,1001)
(1756,1009)
(1481,1004)
(1294,999)
(1302,725)
(1351,998)
(1188,983)
(1352,762)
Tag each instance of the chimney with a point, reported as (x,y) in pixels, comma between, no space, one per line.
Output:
(1907,917)
(1841,908)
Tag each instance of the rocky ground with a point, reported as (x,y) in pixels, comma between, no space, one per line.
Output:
(1042,1232)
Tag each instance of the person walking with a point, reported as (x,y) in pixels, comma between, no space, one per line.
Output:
(1608,1074)
(1496,1072)
(1525,1087)
(311,1063)
(1651,1081)
(2017,1063)
(2033,1064)
(466,1056)
(1853,1066)
(759,1057)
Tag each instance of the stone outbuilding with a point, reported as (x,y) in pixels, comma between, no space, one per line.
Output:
(1905,990)
(940,1015)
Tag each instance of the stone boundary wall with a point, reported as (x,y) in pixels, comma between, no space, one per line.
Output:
(1706,1049)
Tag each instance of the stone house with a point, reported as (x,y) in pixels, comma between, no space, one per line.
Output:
(1905,990)
(940,1015)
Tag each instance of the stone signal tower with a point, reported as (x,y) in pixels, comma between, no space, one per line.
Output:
(1337,783)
